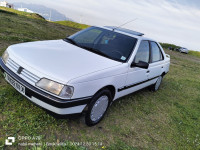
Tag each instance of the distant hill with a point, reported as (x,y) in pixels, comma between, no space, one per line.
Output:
(5,10)
(72,24)
(18,27)
(167,45)
(43,11)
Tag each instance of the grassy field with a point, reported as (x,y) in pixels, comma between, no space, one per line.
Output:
(194,53)
(72,24)
(167,119)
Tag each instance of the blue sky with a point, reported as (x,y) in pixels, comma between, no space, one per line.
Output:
(170,21)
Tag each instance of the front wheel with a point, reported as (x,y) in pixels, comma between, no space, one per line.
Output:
(98,107)
(156,86)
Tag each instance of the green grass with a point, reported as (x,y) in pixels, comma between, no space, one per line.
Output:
(194,53)
(15,28)
(167,119)
(72,24)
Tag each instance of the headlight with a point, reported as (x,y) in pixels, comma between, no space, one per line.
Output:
(5,57)
(61,90)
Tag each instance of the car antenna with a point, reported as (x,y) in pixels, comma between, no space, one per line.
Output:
(125,24)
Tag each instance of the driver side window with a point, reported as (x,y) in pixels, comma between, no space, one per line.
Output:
(142,53)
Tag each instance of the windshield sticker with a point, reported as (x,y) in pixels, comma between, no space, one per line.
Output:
(123,58)
(106,41)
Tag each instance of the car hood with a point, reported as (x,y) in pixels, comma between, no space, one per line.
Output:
(60,60)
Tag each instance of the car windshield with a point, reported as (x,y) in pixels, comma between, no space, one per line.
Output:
(104,42)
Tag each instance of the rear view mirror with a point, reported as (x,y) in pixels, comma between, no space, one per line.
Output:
(140,64)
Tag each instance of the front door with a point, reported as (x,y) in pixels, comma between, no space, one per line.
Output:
(137,77)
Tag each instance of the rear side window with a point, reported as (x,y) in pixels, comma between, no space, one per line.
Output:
(156,54)
(143,52)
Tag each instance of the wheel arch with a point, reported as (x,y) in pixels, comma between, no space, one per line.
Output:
(163,74)
(111,88)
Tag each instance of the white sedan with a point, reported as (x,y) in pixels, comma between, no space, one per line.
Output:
(85,72)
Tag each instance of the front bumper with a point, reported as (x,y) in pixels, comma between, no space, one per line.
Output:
(47,101)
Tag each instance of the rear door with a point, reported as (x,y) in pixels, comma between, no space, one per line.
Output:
(156,65)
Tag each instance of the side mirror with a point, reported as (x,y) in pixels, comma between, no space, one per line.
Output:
(140,64)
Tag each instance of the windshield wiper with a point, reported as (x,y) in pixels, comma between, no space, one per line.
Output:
(71,41)
(96,51)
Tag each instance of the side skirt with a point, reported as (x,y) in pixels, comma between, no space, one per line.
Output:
(136,84)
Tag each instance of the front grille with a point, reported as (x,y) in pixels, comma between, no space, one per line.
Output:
(25,74)
(12,65)
(29,77)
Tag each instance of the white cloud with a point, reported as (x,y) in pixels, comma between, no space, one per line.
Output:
(166,21)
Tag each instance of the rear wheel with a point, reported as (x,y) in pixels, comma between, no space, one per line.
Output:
(156,86)
(98,107)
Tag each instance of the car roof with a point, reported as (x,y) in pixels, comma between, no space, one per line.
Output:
(129,32)
(125,30)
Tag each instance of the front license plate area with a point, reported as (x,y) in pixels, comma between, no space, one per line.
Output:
(20,88)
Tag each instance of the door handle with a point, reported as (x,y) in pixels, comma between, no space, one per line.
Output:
(162,67)
(148,71)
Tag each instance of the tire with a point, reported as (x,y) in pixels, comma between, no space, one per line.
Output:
(98,107)
(156,86)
